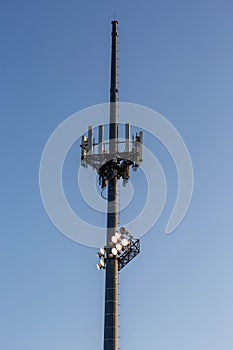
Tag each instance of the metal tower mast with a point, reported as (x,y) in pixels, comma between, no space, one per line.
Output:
(112,164)
(111,282)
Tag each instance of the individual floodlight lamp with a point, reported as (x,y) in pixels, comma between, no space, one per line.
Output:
(98,267)
(118,247)
(102,262)
(117,235)
(124,242)
(114,251)
(102,251)
(114,239)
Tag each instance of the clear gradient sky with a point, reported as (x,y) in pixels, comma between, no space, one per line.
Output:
(175,57)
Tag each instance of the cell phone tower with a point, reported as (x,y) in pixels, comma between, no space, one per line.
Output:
(112,159)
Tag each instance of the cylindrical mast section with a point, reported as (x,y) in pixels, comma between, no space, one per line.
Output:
(111,282)
(114,86)
(112,215)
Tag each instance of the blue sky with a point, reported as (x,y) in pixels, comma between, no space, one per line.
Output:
(175,57)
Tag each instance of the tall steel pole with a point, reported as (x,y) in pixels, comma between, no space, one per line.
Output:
(112,165)
(111,281)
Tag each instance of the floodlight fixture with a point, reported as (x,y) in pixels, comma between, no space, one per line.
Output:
(102,262)
(118,247)
(98,267)
(114,251)
(124,242)
(117,235)
(114,239)
(102,251)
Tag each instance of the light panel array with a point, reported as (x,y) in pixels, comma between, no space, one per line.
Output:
(122,243)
